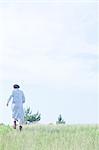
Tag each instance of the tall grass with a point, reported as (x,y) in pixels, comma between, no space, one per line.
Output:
(50,137)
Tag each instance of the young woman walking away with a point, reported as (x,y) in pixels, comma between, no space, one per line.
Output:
(18,99)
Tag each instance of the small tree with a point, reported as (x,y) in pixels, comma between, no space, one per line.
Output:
(60,120)
(30,118)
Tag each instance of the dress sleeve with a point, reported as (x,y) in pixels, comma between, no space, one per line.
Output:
(23,98)
(10,98)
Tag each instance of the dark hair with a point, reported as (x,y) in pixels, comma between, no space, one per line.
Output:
(16,86)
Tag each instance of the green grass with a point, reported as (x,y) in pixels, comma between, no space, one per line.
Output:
(50,137)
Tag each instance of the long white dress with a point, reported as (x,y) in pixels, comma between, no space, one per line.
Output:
(18,99)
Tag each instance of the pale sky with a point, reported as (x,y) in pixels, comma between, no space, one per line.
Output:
(49,48)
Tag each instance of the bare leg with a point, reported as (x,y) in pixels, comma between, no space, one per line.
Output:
(20,127)
(14,124)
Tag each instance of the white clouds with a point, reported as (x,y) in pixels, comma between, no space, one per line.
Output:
(34,36)
(33,31)
(48,1)
(59,28)
(41,69)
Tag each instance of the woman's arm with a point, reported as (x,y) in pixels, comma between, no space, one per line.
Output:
(9,99)
(23,98)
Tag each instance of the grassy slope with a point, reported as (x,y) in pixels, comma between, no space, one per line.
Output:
(50,137)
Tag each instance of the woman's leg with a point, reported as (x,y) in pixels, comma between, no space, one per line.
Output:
(20,125)
(14,126)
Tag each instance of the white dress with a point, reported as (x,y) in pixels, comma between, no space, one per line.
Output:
(18,99)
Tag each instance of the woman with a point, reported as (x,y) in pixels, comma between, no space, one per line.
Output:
(18,99)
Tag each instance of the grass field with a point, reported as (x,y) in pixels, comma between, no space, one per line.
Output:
(50,137)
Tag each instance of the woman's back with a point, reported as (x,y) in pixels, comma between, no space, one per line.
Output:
(18,96)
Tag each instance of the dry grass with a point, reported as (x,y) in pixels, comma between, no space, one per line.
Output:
(50,137)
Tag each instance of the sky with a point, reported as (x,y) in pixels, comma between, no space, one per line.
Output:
(50,48)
